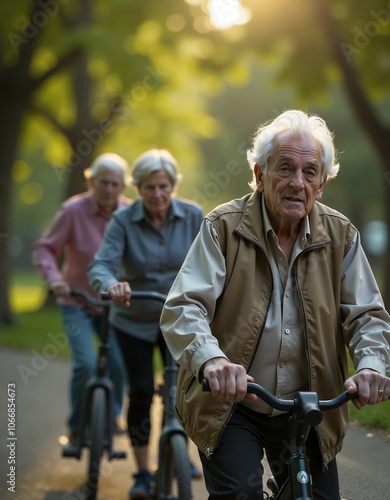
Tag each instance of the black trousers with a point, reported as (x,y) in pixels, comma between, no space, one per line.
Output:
(138,357)
(234,471)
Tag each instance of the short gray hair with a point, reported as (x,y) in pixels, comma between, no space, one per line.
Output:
(108,161)
(298,124)
(152,161)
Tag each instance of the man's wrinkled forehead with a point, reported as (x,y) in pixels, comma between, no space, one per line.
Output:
(292,147)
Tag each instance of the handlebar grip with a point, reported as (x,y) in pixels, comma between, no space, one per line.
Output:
(105,295)
(205,385)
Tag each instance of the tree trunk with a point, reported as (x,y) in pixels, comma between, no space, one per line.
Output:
(9,132)
(378,133)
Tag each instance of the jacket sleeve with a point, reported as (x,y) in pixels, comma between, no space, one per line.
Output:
(190,305)
(366,322)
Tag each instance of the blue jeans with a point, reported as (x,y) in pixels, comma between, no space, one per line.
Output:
(80,327)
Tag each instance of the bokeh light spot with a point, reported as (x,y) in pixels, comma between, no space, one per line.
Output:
(21,171)
(176,22)
(31,193)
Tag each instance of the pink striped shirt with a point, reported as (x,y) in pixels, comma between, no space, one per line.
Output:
(75,234)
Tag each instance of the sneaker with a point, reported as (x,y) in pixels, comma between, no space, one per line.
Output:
(195,472)
(141,488)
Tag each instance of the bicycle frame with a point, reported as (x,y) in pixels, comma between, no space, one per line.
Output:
(99,379)
(305,415)
(171,425)
(306,412)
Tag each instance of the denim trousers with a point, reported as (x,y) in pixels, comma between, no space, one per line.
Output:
(80,327)
(235,471)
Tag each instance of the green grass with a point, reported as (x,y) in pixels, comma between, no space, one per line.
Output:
(39,329)
(376,417)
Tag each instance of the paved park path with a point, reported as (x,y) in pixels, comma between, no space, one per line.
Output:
(41,385)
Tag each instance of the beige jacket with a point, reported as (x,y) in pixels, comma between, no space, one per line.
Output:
(241,310)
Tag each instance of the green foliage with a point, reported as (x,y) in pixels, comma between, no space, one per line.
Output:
(39,331)
(169,80)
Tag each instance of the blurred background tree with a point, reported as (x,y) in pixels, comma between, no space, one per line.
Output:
(196,77)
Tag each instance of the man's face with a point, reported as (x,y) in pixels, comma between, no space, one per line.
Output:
(293,181)
(107,187)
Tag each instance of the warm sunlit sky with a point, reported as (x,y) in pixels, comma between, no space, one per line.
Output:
(227,13)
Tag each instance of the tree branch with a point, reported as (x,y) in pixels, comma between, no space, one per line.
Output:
(360,104)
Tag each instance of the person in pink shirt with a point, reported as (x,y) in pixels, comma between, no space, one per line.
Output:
(75,234)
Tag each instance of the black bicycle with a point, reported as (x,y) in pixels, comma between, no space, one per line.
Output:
(97,421)
(173,475)
(306,412)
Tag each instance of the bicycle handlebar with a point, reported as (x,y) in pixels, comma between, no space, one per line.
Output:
(105,297)
(159,297)
(290,404)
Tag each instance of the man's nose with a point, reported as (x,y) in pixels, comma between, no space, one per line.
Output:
(297,180)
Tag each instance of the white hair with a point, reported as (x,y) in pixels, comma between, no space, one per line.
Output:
(108,161)
(297,124)
(152,161)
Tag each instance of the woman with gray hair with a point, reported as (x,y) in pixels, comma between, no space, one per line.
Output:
(143,249)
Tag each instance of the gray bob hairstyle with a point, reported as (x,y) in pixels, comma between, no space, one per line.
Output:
(152,161)
(293,123)
(108,161)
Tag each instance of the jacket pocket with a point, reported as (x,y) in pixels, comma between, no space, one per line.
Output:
(342,371)
(190,386)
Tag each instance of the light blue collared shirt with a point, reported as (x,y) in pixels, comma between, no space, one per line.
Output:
(148,257)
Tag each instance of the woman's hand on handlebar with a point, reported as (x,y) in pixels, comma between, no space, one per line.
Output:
(227,381)
(371,386)
(120,293)
(60,289)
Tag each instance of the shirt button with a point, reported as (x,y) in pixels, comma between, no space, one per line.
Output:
(281,365)
(287,331)
(163,269)
(280,259)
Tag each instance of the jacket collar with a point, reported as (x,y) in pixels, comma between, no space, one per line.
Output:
(252,223)
(139,212)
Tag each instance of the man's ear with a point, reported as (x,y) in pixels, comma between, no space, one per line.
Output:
(321,188)
(259,178)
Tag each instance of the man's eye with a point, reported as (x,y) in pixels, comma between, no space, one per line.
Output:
(284,170)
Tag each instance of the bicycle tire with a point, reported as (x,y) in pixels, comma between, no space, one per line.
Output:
(175,470)
(97,428)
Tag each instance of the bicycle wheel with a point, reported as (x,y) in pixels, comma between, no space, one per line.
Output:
(97,423)
(174,477)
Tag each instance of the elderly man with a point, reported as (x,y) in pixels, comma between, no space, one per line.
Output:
(275,289)
(75,234)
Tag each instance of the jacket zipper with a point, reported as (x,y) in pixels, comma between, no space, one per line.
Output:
(209,450)
(324,465)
